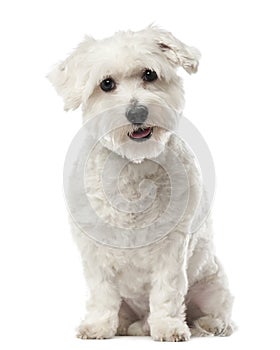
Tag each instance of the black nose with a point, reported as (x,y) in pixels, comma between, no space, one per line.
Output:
(137,114)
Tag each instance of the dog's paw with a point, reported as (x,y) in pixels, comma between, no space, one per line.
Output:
(210,326)
(95,331)
(171,330)
(139,328)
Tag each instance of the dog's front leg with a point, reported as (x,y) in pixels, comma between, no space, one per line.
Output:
(101,320)
(169,287)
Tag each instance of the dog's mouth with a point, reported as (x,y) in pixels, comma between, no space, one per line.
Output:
(141,134)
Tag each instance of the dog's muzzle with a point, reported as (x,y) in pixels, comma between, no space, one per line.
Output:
(137,115)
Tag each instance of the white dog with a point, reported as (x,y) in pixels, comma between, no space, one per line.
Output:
(174,286)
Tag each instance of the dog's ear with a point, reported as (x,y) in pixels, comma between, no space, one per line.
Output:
(177,52)
(70,76)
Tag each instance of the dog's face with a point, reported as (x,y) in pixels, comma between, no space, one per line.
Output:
(128,84)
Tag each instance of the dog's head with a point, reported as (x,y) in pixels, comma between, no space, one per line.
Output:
(128,83)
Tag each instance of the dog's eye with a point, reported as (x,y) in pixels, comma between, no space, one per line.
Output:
(108,84)
(149,75)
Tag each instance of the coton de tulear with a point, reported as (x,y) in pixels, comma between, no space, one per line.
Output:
(164,281)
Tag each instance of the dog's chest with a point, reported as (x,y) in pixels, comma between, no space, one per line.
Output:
(124,193)
(134,269)
(134,281)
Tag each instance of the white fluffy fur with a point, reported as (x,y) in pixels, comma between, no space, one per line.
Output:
(173,288)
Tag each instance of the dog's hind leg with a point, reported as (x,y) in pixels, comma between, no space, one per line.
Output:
(127,317)
(209,305)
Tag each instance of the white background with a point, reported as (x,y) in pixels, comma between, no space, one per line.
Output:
(234,102)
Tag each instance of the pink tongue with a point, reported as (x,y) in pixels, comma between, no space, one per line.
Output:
(141,133)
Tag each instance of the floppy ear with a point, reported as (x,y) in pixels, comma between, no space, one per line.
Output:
(177,52)
(70,76)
